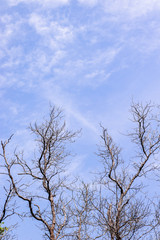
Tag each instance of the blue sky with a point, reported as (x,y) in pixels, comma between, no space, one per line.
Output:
(90,57)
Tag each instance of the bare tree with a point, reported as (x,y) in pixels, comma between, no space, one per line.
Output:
(121,212)
(6,210)
(7,205)
(43,183)
(81,211)
(115,208)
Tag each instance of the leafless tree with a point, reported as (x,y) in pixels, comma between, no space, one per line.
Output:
(114,207)
(81,210)
(7,204)
(7,210)
(121,211)
(43,183)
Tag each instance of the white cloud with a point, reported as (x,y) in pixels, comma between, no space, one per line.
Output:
(7,81)
(11,53)
(148,40)
(43,3)
(53,32)
(106,57)
(95,67)
(133,9)
(6,30)
(91,70)
(130,8)
(95,79)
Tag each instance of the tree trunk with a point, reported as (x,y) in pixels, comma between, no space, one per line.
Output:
(52,237)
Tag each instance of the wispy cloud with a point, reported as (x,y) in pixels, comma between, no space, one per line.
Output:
(69,57)
(132,9)
(125,8)
(53,31)
(46,3)
(89,57)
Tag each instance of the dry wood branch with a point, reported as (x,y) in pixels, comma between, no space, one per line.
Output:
(46,171)
(117,216)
